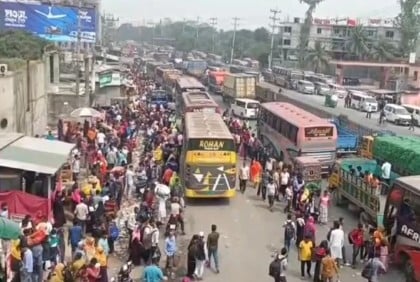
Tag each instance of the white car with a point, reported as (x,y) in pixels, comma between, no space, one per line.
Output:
(397,114)
(305,87)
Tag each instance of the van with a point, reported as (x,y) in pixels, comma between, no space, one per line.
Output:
(415,111)
(321,88)
(305,87)
(397,114)
(360,101)
(245,108)
(338,90)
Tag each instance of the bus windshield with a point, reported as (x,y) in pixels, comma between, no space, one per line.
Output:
(253,105)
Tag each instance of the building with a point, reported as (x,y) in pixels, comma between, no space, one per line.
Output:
(334,34)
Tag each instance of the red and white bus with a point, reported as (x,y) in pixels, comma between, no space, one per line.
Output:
(198,101)
(289,131)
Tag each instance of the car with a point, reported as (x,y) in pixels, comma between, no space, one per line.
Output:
(397,114)
(305,87)
(321,88)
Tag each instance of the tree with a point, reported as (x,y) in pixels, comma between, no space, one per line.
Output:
(409,23)
(318,57)
(261,35)
(383,51)
(306,29)
(20,44)
(358,44)
(248,43)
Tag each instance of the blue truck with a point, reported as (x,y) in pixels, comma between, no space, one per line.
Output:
(348,141)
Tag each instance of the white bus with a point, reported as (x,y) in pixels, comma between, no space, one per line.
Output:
(360,101)
(245,108)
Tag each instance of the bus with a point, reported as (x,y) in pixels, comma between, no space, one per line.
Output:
(289,132)
(197,101)
(287,78)
(188,83)
(208,158)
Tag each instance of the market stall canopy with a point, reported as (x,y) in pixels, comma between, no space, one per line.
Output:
(35,154)
(9,230)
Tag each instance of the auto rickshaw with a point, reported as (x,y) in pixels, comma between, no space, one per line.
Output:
(310,168)
(331,100)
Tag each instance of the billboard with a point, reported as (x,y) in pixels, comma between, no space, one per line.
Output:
(54,23)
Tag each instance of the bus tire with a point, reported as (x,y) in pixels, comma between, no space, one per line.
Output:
(408,267)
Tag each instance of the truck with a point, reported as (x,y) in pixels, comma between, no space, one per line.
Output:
(196,68)
(238,85)
(402,152)
(215,81)
(351,188)
(397,212)
(347,142)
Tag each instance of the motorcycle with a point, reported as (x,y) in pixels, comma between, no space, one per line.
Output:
(124,273)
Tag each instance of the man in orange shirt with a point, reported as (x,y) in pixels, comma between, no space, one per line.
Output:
(256,173)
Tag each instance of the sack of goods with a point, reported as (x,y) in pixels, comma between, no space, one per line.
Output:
(162,190)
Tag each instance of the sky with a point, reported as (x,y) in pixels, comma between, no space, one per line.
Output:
(252,13)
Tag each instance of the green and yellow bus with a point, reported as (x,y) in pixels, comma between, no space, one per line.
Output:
(208,159)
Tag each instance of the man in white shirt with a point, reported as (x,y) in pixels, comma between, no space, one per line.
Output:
(386,175)
(284,181)
(271,192)
(129,181)
(100,138)
(368,111)
(243,177)
(176,212)
(81,213)
(76,167)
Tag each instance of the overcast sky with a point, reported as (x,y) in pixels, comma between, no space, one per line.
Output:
(253,13)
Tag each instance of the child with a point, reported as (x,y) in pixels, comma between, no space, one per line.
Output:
(288,196)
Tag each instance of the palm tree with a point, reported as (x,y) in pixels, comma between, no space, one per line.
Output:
(358,44)
(383,51)
(306,28)
(318,57)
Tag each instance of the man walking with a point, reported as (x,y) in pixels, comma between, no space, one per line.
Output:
(212,247)
(369,111)
(277,268)
(243,177)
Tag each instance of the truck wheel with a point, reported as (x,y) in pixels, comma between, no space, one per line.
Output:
(408,269)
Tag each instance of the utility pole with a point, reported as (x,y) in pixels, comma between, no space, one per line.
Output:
(79,42)
(197,26)
(235,26)
(213,23)
(274,24)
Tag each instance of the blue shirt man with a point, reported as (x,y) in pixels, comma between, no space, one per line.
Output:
(153,273)
(75,235)
(170,246)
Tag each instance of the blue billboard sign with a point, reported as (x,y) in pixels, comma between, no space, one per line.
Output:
(54,23)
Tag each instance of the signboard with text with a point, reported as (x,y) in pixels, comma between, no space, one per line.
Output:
(53,23)
(320,131)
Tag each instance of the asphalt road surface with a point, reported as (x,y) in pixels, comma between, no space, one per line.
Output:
(353,115)
(250,234)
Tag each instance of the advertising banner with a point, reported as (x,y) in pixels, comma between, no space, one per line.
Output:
(109,79)
(53,23)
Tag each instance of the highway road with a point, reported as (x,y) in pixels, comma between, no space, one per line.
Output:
(353,115)
(250,233)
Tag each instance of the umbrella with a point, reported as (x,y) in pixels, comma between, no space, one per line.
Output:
(85,113)
(9,230)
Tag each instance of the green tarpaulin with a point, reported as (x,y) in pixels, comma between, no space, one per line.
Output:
(9,229)
(403,152)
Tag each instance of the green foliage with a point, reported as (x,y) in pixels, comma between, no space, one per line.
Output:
(409,22)
(248,43)
(305,29)
(318,58)
(358,45)
(23,45)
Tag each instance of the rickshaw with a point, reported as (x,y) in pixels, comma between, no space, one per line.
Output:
(331,100)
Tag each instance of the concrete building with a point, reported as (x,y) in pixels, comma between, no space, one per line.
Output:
(24,99)
(334,34)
